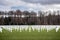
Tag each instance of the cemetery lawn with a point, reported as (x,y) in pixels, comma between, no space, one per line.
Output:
(26,35)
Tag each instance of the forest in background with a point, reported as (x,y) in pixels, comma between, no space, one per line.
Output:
(30,18)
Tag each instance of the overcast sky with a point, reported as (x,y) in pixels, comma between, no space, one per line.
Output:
(29,5)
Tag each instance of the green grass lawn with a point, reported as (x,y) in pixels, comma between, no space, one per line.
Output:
(26,35)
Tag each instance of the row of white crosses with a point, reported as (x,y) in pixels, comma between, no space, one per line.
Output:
(34,27)
(18,16)
(12,16)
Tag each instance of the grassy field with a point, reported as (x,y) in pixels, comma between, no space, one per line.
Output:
(26,35)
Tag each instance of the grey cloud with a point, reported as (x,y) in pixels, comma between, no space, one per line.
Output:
(4,3)
(43,1)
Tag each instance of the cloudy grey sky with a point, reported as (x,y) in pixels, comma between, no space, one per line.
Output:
(43,1)
(30,5)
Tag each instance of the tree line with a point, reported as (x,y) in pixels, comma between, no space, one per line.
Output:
(31,18)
